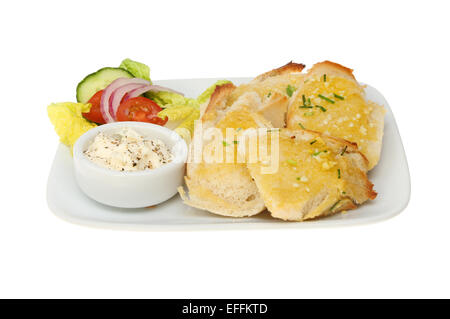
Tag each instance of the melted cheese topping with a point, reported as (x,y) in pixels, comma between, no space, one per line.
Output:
(214,174)
(308,168)
(348,117)
(239,120)
(265,88)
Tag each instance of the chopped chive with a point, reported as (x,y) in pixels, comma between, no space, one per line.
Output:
(324,77)
(312,142)
(290,90)
(343,193)
(225,143)
(268,95)
(304,99)
(300,124)
(334,205)
(298,178)
(309,101)
(305,107)
(318,152)
(339,173)
(308,113)
(321,108)
(291,162)
(343,151)
(338,96)
(326,99)
(235,142)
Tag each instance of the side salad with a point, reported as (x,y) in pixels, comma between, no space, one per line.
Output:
(125,93)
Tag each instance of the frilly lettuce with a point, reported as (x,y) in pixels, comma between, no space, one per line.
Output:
(186,128)
(182,111)
(137,69)
(68,121)
(188,122)
(202,98)
(176,112)
(165,99)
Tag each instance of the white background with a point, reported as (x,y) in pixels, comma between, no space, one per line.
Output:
(399,47)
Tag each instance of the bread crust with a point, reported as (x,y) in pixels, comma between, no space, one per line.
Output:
(331,68)
(377,117)
(217,102)
(216,204)
(287,68)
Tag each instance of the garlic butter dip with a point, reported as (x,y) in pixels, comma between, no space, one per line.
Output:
(127,150)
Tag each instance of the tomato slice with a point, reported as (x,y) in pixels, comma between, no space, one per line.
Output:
(140,109)
(94,114)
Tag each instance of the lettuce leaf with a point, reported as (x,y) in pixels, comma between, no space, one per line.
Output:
(165,99)
(68,121)
(186,128)
(188,122)
(202,98)
(176,112)
(137,69)
(182,111)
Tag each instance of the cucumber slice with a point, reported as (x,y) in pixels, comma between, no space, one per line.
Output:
(97,81)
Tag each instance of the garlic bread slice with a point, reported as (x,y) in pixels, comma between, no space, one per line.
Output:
(331,101)
(317,176)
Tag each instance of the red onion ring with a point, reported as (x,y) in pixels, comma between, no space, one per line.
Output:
(113,94)
(109,90)
(153,88)
(117,96)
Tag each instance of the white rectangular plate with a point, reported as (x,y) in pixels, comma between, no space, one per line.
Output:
(390,176)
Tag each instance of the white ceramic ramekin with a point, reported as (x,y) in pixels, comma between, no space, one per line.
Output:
(131,189)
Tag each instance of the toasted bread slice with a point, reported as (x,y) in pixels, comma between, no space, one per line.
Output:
(331,101)
(222,189)
(225,188)
(217,105)
(317,176)
(271,87)
(274,109)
